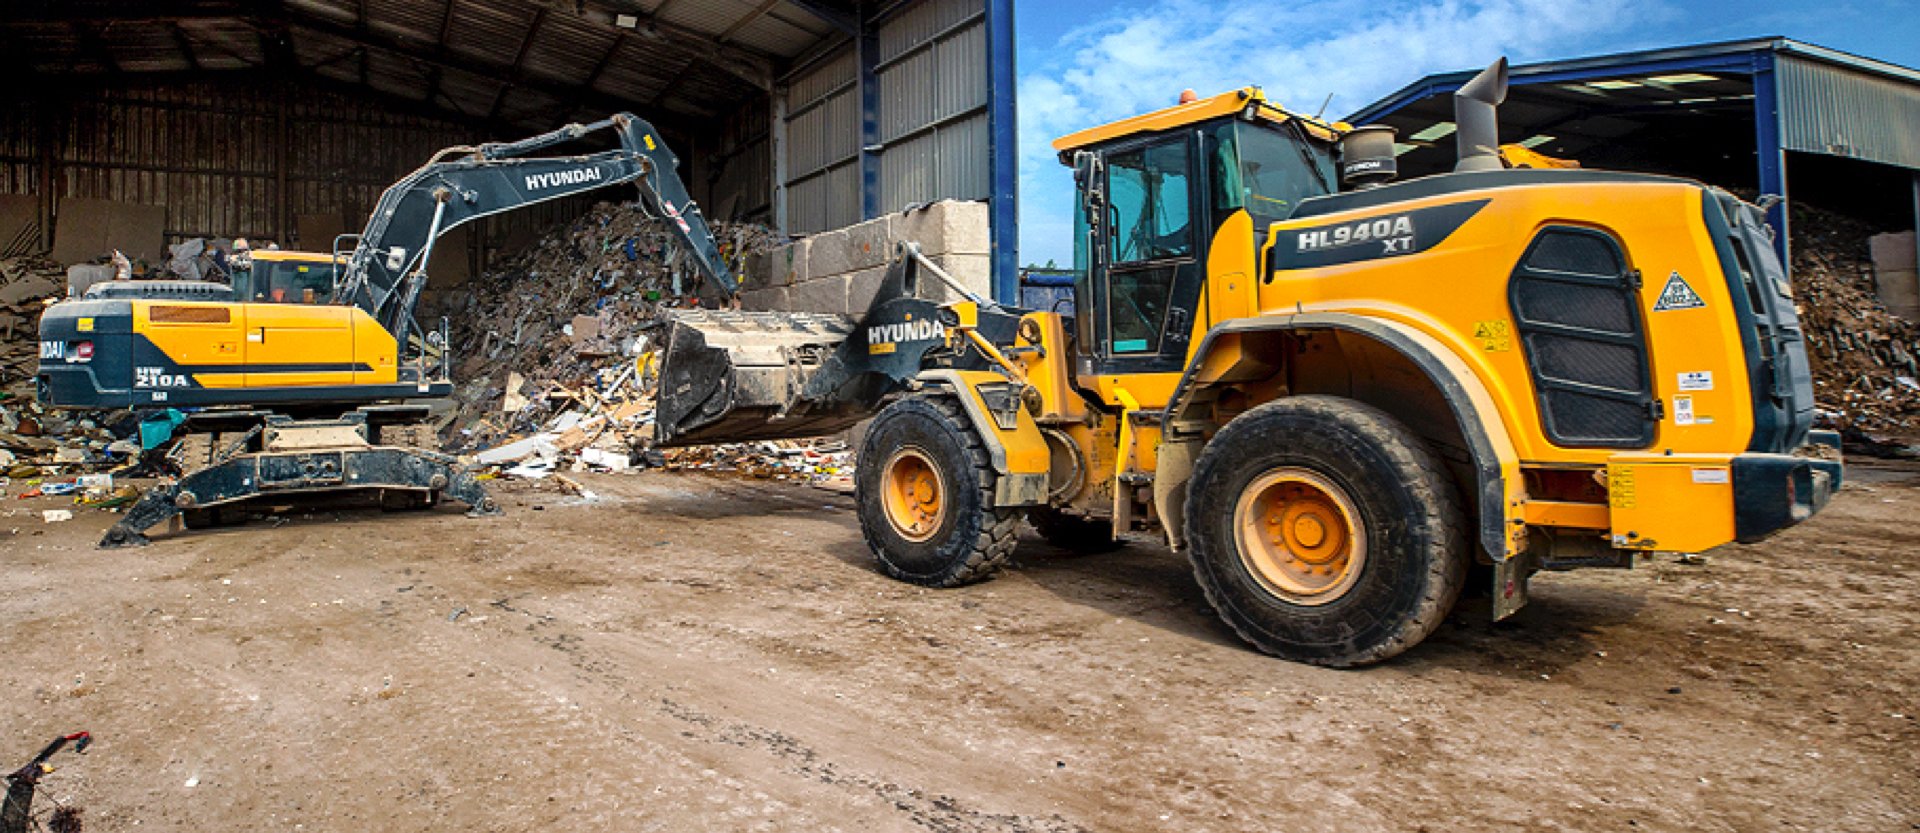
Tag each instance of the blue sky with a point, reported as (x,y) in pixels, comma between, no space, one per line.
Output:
(1086,63)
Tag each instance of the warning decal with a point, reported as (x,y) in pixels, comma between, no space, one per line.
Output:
(1494,336)
(1677,295)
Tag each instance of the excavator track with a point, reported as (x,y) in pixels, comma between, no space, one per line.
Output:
(415,435)
(193,452)
(221,470)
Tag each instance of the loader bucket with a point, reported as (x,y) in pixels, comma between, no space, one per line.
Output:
(730,376)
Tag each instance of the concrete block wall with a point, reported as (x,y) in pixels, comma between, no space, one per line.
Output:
(839,271)
(1896,278)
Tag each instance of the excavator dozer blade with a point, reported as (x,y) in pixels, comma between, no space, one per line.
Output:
(729,376)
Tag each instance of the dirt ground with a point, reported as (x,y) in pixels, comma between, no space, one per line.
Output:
(694,653)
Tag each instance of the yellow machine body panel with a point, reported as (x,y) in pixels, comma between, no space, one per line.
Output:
(1678,503)
(376,354)
(295,344)
(1457,292)
(199,336)
(226,345)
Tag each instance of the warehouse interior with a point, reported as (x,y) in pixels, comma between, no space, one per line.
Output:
(283,120)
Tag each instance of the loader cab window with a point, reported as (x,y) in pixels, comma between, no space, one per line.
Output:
(1267,169)
(1149,237)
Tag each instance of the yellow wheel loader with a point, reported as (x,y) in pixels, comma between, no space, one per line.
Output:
(1339,404)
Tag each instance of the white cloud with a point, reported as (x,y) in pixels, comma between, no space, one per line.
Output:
(1137,60)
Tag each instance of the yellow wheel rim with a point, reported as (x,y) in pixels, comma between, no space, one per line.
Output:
(1300,536)
(911,490)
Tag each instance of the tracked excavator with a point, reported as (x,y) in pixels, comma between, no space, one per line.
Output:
(311,376)
(1341,404)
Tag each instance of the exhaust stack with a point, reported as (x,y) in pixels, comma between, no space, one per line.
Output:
(1478,127)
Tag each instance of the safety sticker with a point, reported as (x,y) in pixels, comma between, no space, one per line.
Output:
(1494,336)
(1710,476)
(1677,295)
(1620,492)
(1696,380)
(1683,410)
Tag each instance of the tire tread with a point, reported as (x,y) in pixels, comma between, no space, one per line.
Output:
(1443,515)
(999,527)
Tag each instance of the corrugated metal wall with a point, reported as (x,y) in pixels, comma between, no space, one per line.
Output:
(933,103)
(1831,109)
(823,146)
(732,180)
(930,68)
(206,152)
(19,150)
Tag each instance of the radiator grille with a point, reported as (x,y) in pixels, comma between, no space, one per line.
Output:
(1574,305)
(1580,361)
(1578,316)
(1557,250)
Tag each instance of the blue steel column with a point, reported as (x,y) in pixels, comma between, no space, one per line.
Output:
(1003,150)
(867,47)
(1766,144)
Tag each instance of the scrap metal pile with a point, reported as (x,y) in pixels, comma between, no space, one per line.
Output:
(554,345)
(1866,373)
(43,451)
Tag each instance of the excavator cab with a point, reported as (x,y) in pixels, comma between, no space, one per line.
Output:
(287,277)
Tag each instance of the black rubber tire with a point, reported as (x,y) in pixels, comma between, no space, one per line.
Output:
(1417,550)
(974,538)
(1074,533)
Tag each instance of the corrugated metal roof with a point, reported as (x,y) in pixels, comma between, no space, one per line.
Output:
(1729,55)
(698,57)
(778,33)
(1829,102)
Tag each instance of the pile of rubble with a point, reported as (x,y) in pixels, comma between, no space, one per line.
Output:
(45,452)
(26,284)
(1866,370)
(555,342)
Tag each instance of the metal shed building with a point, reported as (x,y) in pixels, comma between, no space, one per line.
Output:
(260,117)
(1769,115)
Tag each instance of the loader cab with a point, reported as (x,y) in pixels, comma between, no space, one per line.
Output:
(1154,192)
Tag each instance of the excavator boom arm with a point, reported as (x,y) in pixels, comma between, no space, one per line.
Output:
(389,262)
